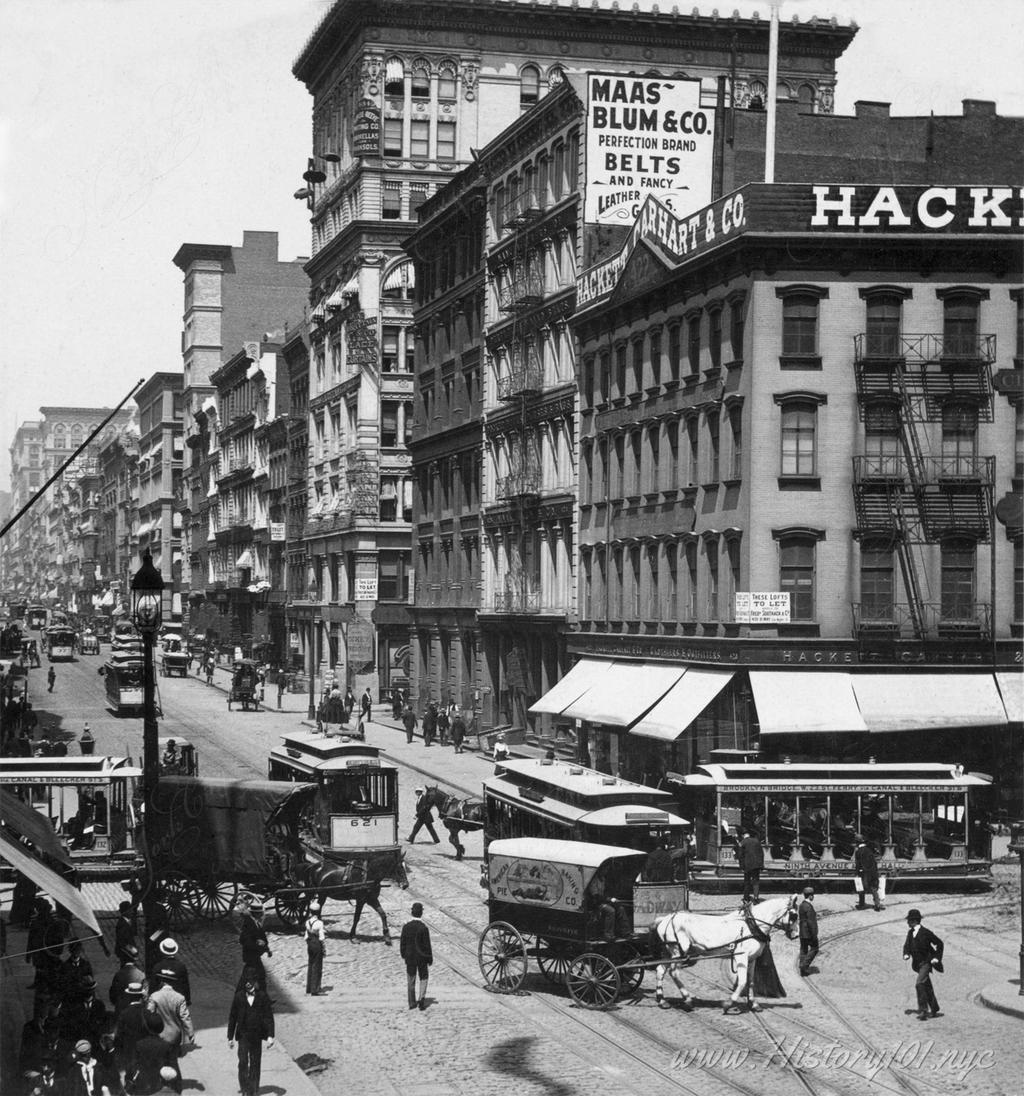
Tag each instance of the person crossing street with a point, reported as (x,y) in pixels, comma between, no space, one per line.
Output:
(924,950)
(414,947)
(424,818)
(808,917)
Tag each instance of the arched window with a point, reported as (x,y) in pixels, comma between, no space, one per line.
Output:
(399,282)
(758,95)
(529,86)
(420,85)
(446,80)
(394,78)
(76,435)
(60,440)
(808,97)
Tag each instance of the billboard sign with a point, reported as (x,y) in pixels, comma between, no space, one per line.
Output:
(646,135)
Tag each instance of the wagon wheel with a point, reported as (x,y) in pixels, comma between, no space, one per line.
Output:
(502,957)
(554,957)
(178,899)
(214,899)
(629,976)
(593,981)
(292,907)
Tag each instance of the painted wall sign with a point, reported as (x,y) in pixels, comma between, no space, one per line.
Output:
(536,883)
(758,607)
(366,129)
(645,135)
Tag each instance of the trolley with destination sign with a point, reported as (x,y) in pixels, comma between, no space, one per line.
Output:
(580,910)
(923,820)
(60,643)
(560,800)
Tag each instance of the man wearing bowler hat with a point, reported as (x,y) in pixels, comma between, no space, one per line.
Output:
(808,917)
(924,950)
(415,949)
(250,1021)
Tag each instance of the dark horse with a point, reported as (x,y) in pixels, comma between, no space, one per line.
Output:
(457,815)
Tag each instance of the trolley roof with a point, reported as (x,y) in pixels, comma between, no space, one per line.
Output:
(64,770)
(565,776)
(583,853)
(326,753)
(743,777)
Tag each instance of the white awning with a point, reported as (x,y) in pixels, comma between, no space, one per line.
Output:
(672,716)
(913,702)
(803,702)
(49,881)
(244,560)
(624,693)
(585,673)
(1011,689)
(144,529)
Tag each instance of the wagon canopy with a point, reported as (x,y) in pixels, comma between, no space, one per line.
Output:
(226,828)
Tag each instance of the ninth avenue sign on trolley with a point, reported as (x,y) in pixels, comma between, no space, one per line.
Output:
(645,135)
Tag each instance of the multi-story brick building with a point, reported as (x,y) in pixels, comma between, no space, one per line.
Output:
(403,95)
(161,448)
(118,521)
(232,295)
(792,446)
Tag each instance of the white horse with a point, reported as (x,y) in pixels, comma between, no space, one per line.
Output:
(741,934)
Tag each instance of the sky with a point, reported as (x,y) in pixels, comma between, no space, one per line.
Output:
(128,127)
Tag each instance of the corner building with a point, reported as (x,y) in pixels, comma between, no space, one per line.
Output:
(800,421)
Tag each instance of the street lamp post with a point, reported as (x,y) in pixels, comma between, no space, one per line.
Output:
(1017,846)
(147,611)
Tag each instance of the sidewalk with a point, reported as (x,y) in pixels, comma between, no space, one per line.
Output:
(211,1068)
(1003,996)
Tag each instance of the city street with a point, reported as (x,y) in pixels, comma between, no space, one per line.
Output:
(849,1029)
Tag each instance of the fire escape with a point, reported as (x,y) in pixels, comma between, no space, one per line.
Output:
(521,381)
(910,498)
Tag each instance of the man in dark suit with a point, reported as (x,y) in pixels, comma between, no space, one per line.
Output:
(124,932)
(415,949)
(924,950)
(86,1076)
(155,1062)
(808,917)
(750,857)
(865,864)
(250,1021)
(253,938)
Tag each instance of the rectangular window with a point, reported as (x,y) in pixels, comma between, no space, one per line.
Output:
(446,84)
(671,582)
(634,583)
(799,427)
(693,344)
(393,577)
(602,382)
(688,610)
(656,359)
(638,365)
(419,140)
(713,455)
(417,196)
(692,472)
(672,441)
(653,458)
(619,483)
(653,591)
(736,451)
(958,559)
(796,575)
(675,352)
(615,599)
(636,460)
(393,137)
(391,202)
(960,327)
(715,338)
(800,325)
(959,440)
(882,330)
(732,552)
(446,140)
(388,424)
(620,371)
(737,316)
(389,349)
(711,607)
(876,584)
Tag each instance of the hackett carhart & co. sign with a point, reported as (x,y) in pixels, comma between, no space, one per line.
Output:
(802,209)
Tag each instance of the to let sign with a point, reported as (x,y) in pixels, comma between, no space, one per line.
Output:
(755,607)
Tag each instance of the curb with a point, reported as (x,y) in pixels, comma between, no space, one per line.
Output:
(989,999)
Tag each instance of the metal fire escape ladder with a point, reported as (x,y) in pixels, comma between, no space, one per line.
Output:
(911,526)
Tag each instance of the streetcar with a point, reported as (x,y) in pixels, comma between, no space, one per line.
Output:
(174,658)
(88,800)
(36,617)
(60,643)
(540,797)
(123,676)
(918,818)
(357,794)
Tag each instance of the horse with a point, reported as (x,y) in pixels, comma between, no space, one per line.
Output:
(457,815)
(743,933)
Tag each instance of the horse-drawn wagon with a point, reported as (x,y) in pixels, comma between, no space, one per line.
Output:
(584,913)
(245,685)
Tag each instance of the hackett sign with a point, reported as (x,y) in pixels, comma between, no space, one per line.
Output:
(787,209)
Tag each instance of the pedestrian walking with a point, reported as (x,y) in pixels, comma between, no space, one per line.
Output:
(51,679)
(366,704)
(75,971)
(396,703)
(924,950)
(209,670)
(154,1064)
(129,973)
(808,917)
(410,723)
(314,951)
(130,1027)
(458,731)
(750,857)
(424,818)
(253,938)
(157,920)
(444,724)
(866,881)
(500,752)
(171,965)
(282,681)
(414,947)
(429,723)
(86,1076)
(250,1021)
(178,1032)
(125,943)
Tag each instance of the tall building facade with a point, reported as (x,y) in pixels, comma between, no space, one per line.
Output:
(233,295)
(402,96)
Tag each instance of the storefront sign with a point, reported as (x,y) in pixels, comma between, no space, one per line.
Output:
(366,588)
(645,135)
(755,607)
(278,530)
(652,901)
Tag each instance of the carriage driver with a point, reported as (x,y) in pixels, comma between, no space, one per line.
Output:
(608,915)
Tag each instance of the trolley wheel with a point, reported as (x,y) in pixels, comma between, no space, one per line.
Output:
(554,957)
(593,981)
(179,899)
(292,907)
(214,899)
(502,956)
